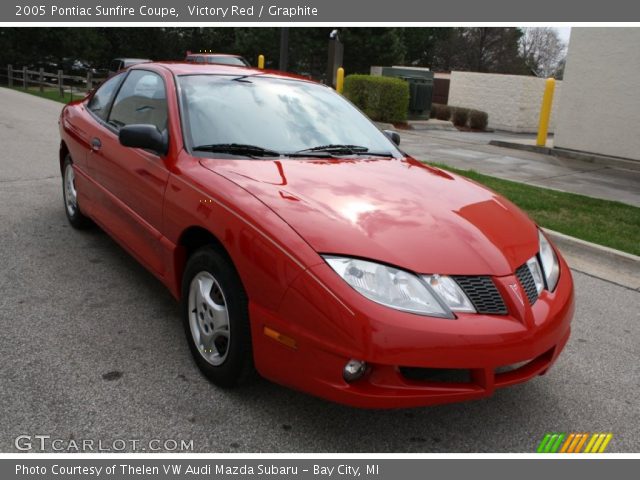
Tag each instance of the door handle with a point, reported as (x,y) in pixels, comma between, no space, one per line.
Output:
(95,144)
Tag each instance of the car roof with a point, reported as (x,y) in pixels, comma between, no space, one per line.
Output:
(185,68)
(131,59)
(211,54)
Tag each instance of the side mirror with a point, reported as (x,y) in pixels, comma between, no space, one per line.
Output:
(144,136)
(393,136)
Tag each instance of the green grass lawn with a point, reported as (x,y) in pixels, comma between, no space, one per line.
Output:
(604,222)
(51,94)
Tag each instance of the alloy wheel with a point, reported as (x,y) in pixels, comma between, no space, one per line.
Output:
(209,318)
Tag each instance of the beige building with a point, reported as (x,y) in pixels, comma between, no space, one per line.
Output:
(599,109)
(512,101)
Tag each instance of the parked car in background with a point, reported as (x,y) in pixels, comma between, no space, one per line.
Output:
(304,243)
(69,66)
(75,66)
(50,66)
(118,64)
(217,59)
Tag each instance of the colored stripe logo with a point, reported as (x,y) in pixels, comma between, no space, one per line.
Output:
(574,443)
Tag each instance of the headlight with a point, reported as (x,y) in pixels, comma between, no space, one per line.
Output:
(435,295)
(450,292)
(549,260)
(536,273)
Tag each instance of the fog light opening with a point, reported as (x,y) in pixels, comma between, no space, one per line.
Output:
(354,370)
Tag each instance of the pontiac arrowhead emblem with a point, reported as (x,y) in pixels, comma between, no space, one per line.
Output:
(516,291)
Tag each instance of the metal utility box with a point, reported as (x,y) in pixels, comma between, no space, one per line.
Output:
(420,88)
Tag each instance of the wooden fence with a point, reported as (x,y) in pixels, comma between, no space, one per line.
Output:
(24,77)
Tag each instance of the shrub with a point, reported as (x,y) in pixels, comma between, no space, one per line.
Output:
(383,99)
(460,116)
(441,112)
(478,120)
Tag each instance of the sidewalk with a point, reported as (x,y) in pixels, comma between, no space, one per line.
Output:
(472,151)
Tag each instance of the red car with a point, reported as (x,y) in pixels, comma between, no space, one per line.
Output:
(217,59)
(303,243)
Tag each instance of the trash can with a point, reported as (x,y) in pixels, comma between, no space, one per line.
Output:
(420,89)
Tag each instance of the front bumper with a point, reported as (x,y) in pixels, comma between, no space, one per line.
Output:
(331,325)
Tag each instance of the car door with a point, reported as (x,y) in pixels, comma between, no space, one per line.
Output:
(80,125)
(133,180)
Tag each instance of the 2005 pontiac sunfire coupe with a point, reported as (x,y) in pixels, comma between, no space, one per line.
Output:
(303,243)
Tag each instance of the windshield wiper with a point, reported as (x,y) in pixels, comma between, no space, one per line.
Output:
(256,151)
(242,79)
(337,149)
(237,149)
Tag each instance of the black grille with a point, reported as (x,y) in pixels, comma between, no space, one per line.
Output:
(528,284)
(483,294)
(436,375)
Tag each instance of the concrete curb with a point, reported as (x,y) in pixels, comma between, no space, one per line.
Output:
(571,154)
(603,262)
(419,126)
(385,126)
(433,124)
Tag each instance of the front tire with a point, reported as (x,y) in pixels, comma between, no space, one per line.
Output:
(70,197)
(215,315)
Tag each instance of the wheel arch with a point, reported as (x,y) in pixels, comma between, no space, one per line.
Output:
(64,151)
(190,240)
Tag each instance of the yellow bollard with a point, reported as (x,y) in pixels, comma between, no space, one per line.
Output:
(545,112)
(340,80)
(261,62)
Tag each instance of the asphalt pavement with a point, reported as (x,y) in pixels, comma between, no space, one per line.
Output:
(92,347)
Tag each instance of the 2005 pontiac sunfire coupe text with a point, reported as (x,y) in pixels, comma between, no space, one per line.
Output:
(303,243)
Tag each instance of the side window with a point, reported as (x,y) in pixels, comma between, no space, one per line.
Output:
(142,99)
(199,59)
(99,103)
(115,66)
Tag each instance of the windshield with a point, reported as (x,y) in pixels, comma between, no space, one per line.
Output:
(282,115)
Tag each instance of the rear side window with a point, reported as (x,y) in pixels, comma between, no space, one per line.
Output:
(141,100)
(99,103)
(116,65)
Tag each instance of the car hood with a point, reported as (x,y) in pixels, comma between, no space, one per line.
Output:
(397,211)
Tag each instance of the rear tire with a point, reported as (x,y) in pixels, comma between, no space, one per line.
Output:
(70,197)
(215,314)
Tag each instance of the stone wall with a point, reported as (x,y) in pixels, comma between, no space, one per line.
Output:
(512,101)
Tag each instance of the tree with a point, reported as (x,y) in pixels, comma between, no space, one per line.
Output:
(307,47)
(559,74)
(424,46)
(542,50)
(308,50)
(251,42)
(487,49)
(367,46)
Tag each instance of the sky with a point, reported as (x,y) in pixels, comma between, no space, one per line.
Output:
(564,33)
